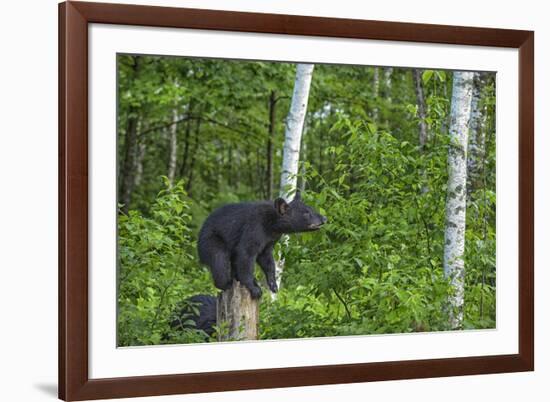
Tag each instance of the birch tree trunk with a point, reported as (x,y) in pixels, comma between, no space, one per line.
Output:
(421,103)
(387,83)
(189,185)
(387,92)
(291,149)
(376,90)
(293,129)
(173,147)
(139,164)
(140,155)
(269,150)
(237,314)
(186,138)
(455,211)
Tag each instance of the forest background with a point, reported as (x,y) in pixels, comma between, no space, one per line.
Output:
(381,151)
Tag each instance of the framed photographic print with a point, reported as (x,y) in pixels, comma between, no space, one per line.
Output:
(259,200)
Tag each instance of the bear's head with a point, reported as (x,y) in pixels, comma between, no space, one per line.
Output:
(296,216)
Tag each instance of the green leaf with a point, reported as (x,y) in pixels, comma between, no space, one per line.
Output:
(427,75)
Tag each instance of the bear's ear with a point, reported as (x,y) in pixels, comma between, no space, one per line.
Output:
(298,196)
(281,206)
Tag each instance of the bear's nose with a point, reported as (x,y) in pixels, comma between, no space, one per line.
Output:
(323,219)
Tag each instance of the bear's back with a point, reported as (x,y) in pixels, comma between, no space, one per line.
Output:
(229,221)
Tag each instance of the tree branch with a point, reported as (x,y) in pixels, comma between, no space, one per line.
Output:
(343,302)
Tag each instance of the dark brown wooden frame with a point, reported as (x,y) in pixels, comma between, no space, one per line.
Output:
(74,18)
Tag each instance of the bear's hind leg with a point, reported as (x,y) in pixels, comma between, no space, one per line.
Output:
(212,253)
(221,270)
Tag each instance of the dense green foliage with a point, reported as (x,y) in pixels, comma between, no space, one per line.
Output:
(157,268)
(376,267)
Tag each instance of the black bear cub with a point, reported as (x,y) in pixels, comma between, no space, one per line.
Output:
(236,236)
(204,318)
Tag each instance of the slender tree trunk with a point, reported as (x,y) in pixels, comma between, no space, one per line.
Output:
(293,129)
(260,174)
(140,155)
(186,138)
(376,91)
(173,147)
(130,143)
(387,92)
(387,83)
(270,138)
(238,314)
(291,149)
(455,211)
(128,170)
(189,186)
(423,135)
(229,166)
(249,165)
(139,163)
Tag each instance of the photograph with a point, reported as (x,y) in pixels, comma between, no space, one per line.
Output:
(267,200)
(275,200)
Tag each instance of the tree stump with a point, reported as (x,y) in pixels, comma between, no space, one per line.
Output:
(238,314)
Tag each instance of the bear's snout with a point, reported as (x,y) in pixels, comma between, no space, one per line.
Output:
(320,221)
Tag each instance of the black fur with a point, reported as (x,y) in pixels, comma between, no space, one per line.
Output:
(206,317)
(236,236)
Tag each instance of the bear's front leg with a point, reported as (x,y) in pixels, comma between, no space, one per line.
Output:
(267,263)
(245,274)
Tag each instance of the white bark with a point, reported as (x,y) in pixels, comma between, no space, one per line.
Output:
(293,129)
(139,164)
(455,211)
(173,153)
(376,90)
(291,149)
(140,154)
(387,82)
(421,104)
(387,91)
